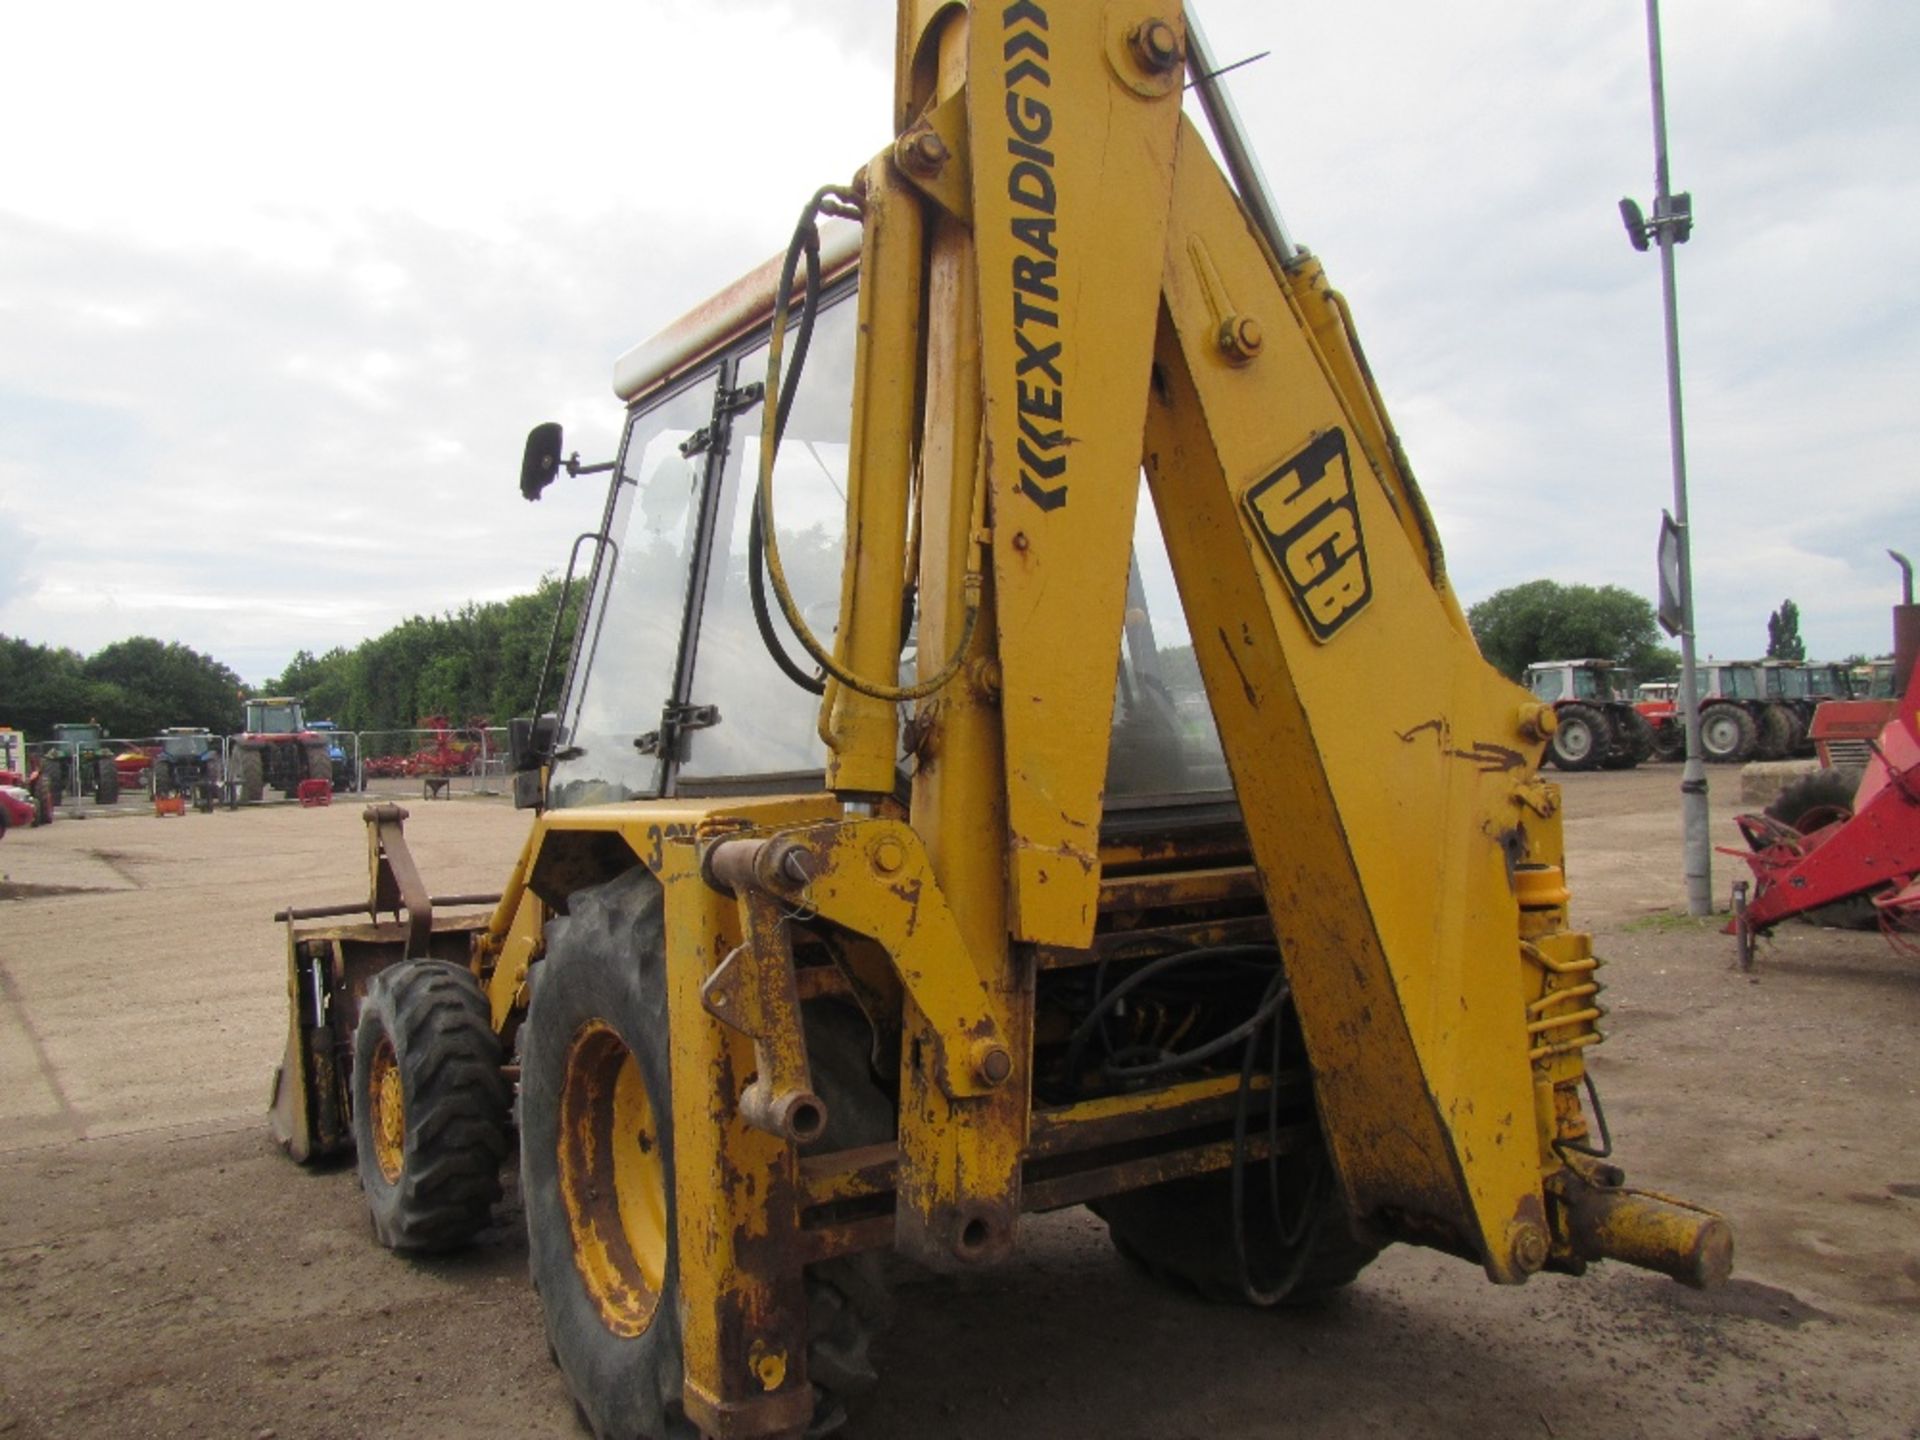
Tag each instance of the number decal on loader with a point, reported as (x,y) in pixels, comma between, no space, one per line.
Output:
(1306,514)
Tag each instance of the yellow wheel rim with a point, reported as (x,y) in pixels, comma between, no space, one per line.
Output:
(388,1100)
(613,1181)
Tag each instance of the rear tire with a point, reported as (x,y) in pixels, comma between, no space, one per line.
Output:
(250,774)
(429,1106)
(1632,740)
(1811,803)
(1777,730)
(1582,738)
(1817,799)
(162,778)
(44,793)
(1670,740)
(1293,1244)
(1181,1232)
(594,1066)
(1728,734)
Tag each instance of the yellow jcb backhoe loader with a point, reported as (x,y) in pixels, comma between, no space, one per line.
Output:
(972,793)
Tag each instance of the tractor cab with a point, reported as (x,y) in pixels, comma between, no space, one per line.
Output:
(1824,682)
(726,700)
(184,742)
(1730,681)
(275,717)
(1589,680)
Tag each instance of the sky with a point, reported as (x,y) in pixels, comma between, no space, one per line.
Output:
(282,290)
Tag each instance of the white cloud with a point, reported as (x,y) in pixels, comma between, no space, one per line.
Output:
(279,298)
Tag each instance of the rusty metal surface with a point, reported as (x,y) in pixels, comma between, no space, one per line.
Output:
(1125,1119)
(1140,892)
(1076,1187)
(1070,1142)
(1041,1190)
(736,1216)
(754,991)
(393,879)
(1149,941)
(1604,1220)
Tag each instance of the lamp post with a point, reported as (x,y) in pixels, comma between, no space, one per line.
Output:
(1672,223)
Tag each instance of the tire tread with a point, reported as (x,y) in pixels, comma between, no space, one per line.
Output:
(441,1028)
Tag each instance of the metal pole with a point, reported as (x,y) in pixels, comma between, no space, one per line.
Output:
(1241,163)
(1697,848)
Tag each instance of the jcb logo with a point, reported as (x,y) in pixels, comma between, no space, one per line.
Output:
(1306,513)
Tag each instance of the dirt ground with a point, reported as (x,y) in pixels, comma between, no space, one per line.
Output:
(164,1272)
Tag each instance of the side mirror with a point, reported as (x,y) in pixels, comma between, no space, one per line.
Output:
(541,462)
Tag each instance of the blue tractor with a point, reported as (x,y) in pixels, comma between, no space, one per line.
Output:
(188,764)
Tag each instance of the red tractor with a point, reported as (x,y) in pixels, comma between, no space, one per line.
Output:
(1598,728)
(277,750)
(1738,720)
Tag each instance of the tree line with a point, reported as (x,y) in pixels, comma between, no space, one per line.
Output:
(484,660)
(479,660)
(136,686)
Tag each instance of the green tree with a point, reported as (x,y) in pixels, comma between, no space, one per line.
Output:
(1654,662)
(160,683)
(324,682)
(1783,633)
(1545,620)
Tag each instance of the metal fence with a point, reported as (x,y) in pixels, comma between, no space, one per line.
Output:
(83,785)
(432,763)
(423,763)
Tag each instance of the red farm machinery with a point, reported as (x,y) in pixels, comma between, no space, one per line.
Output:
(1842,844)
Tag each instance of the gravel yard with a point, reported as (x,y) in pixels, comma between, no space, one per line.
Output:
(165,1272)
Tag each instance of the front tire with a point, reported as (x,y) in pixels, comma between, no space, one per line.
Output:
(106,784)
(429,1106)
(1582,738)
